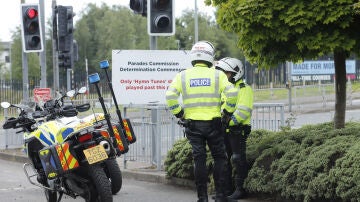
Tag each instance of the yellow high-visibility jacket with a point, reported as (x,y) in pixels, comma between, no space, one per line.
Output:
(244,104)
(201,88)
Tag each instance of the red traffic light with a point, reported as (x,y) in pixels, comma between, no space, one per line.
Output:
(31,28)
(31,13)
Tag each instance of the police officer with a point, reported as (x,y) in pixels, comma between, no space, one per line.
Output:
(201,88)
(239,127)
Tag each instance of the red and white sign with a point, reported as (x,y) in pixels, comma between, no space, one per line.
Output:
(143,76)
(42,94)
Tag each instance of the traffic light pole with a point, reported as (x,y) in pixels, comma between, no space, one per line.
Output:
(153,42)
(54,45)
(43,83)
(25,74)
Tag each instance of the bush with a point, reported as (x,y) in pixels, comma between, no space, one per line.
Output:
(312,163)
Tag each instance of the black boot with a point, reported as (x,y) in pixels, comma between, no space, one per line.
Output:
(239,193)
(202,193)
(220,199)
(202,200)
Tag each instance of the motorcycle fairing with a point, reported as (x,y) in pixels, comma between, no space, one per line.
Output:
(51,132)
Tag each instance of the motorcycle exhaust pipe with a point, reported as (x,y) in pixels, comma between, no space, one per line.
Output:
(106,146)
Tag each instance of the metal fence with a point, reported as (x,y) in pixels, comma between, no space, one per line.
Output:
(157,130)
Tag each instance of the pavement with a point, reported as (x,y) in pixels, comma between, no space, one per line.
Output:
(134,169)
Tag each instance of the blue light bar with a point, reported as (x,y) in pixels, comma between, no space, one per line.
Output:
(104,64)
(94,78)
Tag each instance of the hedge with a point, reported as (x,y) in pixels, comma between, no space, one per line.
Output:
(312,163)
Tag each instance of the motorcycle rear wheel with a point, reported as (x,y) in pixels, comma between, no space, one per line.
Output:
(113,172)
(101,183)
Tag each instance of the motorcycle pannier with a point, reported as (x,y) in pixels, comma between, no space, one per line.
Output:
(129,132)
(121,140)
(57,159)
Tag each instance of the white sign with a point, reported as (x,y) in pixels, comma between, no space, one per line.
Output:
(143,76)
(320,67)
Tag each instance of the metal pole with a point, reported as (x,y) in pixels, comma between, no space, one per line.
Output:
(153,43)
(288,67)
(43,83)
(87,75)
(54,47)
(196,23)
(10,60)
(68,78)
(25,77)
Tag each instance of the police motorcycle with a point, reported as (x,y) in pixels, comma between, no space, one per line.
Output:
(111,167)
(65,158)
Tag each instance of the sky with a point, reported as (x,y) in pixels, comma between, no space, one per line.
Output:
(10,15)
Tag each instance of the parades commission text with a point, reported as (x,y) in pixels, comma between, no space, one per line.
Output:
(152,69)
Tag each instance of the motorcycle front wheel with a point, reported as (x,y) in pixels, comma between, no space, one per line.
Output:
(113,172)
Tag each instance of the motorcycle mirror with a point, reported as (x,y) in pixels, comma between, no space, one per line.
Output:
(5,105)
(70,93)
(82,90)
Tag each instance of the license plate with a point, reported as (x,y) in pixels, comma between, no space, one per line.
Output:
(95,154)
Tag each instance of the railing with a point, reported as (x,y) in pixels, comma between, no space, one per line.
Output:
(269,116)
(157,130)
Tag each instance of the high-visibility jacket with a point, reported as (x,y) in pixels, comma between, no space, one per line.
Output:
(244,104)
(201,88)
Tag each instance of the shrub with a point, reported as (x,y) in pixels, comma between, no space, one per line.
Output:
(312,163)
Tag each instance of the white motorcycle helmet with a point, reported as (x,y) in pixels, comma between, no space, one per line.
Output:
(232,65)
(202,51)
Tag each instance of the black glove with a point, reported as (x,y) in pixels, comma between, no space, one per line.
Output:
(180,114)
(225,117)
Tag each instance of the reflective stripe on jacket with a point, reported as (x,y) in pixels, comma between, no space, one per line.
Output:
(201,88)
(244,105)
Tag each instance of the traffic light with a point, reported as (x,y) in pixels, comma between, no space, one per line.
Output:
(31,28)
(65,60)
(161,20)
(65,27)
(139,7)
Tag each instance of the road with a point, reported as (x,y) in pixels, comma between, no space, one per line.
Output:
(321,117)
(15,187)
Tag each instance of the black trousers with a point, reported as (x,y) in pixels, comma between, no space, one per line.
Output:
(200,133)
(235,143)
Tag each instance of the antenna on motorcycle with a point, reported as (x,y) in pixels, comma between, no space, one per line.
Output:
(124,123)
(105,65)
(95,79)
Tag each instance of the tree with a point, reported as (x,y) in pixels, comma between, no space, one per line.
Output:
(16,55)
(208,30)
(273,32)
(102,29)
